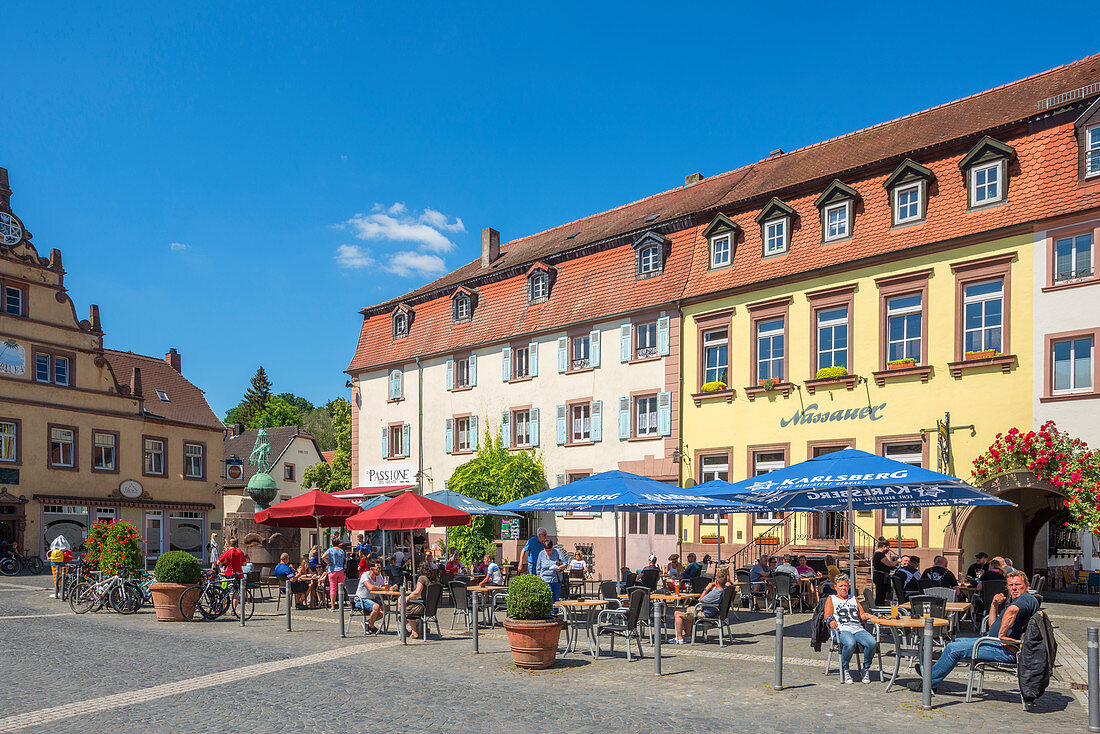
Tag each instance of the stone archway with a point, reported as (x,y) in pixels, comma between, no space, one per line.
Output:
(13,518)
(1007,531)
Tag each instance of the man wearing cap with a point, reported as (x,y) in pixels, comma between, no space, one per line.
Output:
(335,558)
(693,568)
(977,568)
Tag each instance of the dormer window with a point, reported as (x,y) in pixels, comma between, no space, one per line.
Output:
(1092,150)
(163,395)
(986,171)
(837,205)
(1087,129)
(649,255)
(721,234)
(400,325)
(908,187)
(540,287)
(463,312)
(775,221)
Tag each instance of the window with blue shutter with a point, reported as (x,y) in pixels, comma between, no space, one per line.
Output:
(596,408)
(560,481)
(662,336)
(533,360)
(594,345)
(385,443)
(626,339)
(534,426)
(506,428)
(450,374)
(474,438)
(405,436)
(448,435)
(624,417)
(473,370)
(563,354)
(395,384)
(664,413)
(506,364)
(560,424)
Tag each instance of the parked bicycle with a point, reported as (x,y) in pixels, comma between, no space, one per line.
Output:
(13,562)
(213,597)
(119,594)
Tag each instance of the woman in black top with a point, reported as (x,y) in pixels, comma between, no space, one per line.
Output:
(882,565)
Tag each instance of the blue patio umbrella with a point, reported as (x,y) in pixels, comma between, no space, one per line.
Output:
(851,480)
(612,491)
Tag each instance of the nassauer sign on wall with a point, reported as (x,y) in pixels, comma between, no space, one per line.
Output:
(811,414)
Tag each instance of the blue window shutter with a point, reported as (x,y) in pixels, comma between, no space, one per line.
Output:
(664,413)
(561,480)
(533,360)
(393,392)
(624,417)
(594,347)
(473,432)
(534,426)
(506,364)
(505,428)
(473,370)
(448,435)
(405,435)
(561,424)
(385,443)
(626,336)
(400,375)
(662,336)
(596,412)
(450,374)
(563,356)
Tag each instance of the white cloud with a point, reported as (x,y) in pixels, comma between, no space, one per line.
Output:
(396,224)
(178,246)
(353,256)
(414,263)
(432,218)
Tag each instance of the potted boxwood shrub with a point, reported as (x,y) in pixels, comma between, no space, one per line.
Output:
(175,571)
(532,633)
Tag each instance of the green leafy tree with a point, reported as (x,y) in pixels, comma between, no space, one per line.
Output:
(318,423)
(276,412)
(337,477)
(303,405)
(495,475)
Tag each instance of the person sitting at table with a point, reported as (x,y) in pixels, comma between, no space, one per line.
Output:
(454,565)
(693,569)
(432,566)
(493,576)
(845,616)
(371,581)
(1008,619)
(548,565)
(650,566)
(939,574)
(806,574)
(913,587)
(994,571)
(414,603)
(578,567)
(481,567)
(758,578)
(285,572)
(978,567)
(883,564)
(707,606)
(1008,567)
(831,572)
(306,576)
(675,569)
(903,575)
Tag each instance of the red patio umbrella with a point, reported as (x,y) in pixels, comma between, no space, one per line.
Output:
(314,508)
(408,511)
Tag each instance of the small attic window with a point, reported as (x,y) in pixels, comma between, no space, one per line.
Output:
(539,287)
(653,217)
(572,235)
(463,312)
(400,325)
(163,396)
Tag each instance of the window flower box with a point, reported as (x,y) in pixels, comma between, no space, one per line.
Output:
(715,386)
(983,354)
(900,364)
(713,539)
(768,384)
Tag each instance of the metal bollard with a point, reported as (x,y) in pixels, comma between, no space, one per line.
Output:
(658,624)
(778,684)
(240,599)
(401,609)
(473,617)
(1094,677)
(340,601)
(926,666)
(289,603)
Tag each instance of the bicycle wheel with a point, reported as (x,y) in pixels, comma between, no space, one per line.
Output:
(34,564)
(210,603)
(82,598)
(7,566)
(249,604)
(125,598)
(189,604)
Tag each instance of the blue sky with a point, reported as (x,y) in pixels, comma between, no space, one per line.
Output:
(236,180)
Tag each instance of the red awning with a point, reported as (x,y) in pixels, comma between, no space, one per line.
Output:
(314,508)
(409,511)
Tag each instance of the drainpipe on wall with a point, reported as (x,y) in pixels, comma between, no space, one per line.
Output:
(680,432)
(420,424)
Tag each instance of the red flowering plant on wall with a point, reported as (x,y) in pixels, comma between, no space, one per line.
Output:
(1054,456)
(114,546)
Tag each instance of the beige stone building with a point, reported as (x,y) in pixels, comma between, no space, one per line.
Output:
(89,433)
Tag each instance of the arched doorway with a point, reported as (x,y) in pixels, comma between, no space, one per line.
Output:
(13,518)
(1008,531)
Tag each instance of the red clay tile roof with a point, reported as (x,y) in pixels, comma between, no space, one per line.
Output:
(241,447)
(186,402)
(1042,183)
(327,456)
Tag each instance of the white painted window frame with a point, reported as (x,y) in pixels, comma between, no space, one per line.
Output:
(844,222)
(918,186)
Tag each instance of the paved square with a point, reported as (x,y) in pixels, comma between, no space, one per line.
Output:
(104,672)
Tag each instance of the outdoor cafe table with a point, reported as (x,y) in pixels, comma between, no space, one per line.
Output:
(487,609)
(390,608)
(954,609)
(580,612)
(673,599)
(907,637)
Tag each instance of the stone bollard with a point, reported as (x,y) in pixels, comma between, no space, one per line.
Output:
(1094,678)
(401,610)
(473,617)
(340,601)
(240,599)
(778,684)
(658,623)
(926,666)
(289,603)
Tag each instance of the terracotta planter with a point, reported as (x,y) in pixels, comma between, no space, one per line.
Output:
(901,365)
(713,539)
(534,642)
(166,601)
(980,355)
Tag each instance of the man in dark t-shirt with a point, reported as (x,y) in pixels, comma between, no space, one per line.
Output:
(977,568)
(1008,619)
(939,574)
(882,566)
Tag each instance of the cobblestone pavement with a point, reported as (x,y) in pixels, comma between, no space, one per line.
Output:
(103,672)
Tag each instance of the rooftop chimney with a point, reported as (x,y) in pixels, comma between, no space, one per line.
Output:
(692,178)
(94,318)
(776,152)
(5,191)
(135,383)
(173,359)
(490,246)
